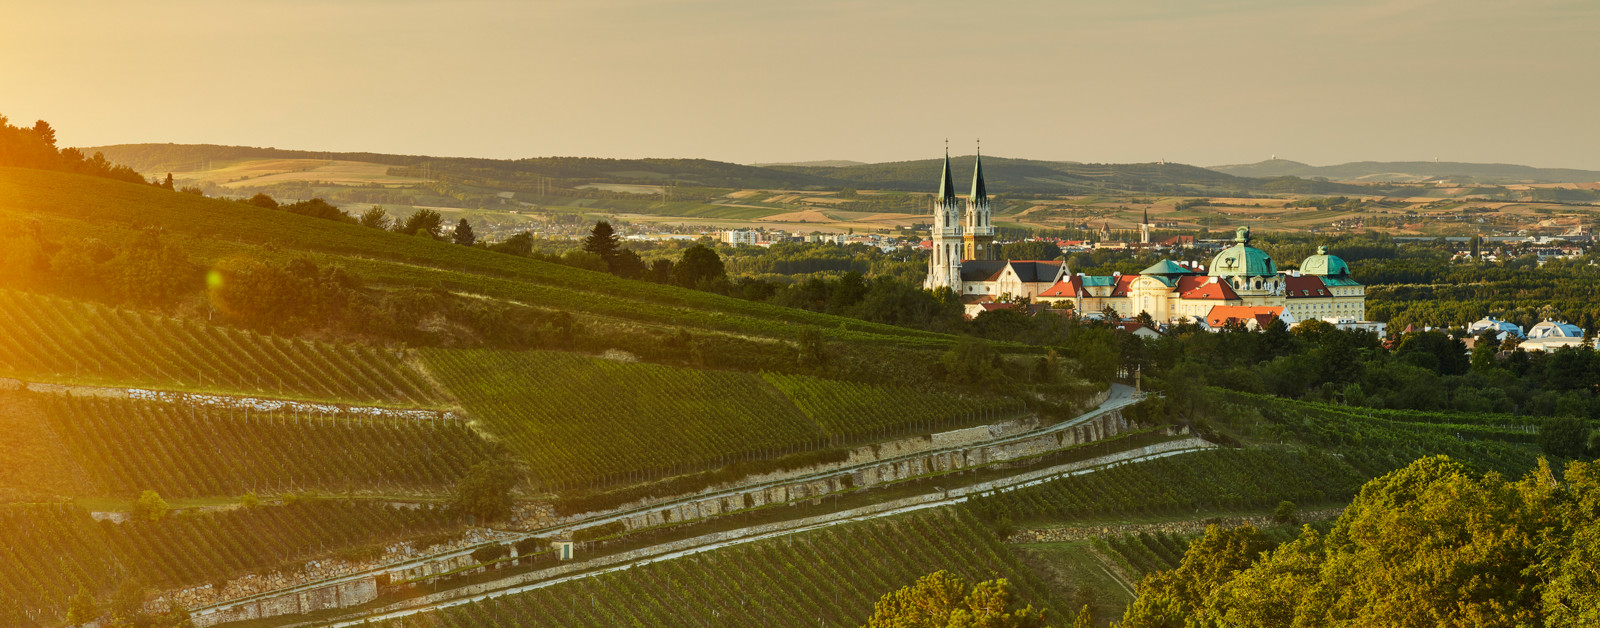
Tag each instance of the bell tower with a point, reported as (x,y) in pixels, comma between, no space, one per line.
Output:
(978,232)
(944,265)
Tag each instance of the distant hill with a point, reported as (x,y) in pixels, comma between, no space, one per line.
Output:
(1006,176)
(505,173)
(1027,176)
(825,163)
(1407,171)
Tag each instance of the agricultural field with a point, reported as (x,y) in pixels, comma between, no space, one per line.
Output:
(113,447)
(579,420)
(67,204)
(52,549)
(825,577)
(58,340)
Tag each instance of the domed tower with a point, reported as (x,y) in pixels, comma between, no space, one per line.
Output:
(1248,269)
(944,265)
(1349,296)
(978,231)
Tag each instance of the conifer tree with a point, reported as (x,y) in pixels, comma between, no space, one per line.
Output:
(463,235)
(602,241)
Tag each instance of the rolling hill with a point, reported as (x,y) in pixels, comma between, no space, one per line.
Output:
(535,175)
(1412,171)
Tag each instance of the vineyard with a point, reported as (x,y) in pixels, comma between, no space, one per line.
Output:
(382,257)
(58,340)
(1221,479)
(48,551)
(579,420)
(121,447)
(1377,442)
(826,577)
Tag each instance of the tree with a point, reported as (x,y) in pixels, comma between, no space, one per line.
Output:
(627,264)
(318,208)
(485,492)
(150,507)
(1032,249)
(82,608)
(1564,436)
(168,182)
(250,500)
(942,600)
(698,264)
(602,241)
(375,217)
(262,200)
(520,244)
(1286,513)
(423,221)
(127,603)
(463,234)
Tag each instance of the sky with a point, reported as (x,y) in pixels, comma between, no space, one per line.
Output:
(1205,83)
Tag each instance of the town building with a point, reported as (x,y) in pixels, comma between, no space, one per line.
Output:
(1552,335)
(963,260)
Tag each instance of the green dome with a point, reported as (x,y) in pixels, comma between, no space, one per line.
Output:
(1241,259)
(1324,264)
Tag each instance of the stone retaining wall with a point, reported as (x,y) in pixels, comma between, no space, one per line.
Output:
(892,470)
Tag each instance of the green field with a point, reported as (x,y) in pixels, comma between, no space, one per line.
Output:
(58,340)
(579,420)
(119,447)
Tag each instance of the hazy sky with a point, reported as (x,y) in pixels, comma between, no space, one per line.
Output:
(1196,81)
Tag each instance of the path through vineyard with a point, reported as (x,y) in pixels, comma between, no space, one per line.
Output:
(1119,397)
(523,583)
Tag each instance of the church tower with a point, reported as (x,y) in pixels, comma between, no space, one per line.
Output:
(944,266)
(1144,228)
(978,232)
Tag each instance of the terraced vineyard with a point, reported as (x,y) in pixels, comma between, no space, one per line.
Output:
(118,447)
(826,577)
(1206,480)
(59,340)
(51,549)
(381,257)
(579,420)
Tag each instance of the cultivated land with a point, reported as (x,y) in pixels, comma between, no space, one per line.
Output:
(1408,199)
(351,442)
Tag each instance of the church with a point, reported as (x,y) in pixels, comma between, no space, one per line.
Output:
(1243,285)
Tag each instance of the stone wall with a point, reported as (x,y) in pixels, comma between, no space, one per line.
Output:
(522,582)
(896,465)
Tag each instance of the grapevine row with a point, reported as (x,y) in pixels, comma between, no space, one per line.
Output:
(827,577)
(53,339)
(578,420)
(126,446)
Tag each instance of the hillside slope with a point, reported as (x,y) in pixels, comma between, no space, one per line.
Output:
(1410,171)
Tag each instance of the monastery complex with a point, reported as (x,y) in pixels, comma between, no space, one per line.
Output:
(1242,285)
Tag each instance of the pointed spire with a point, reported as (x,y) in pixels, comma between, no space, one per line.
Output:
(1146,215)
(979,192)
(947,186)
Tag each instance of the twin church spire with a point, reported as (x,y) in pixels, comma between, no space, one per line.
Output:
(959,233)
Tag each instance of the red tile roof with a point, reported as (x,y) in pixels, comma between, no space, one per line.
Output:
(1221,315)
(1207,289)
(1305,287)
(1123,282)
(1069,286)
